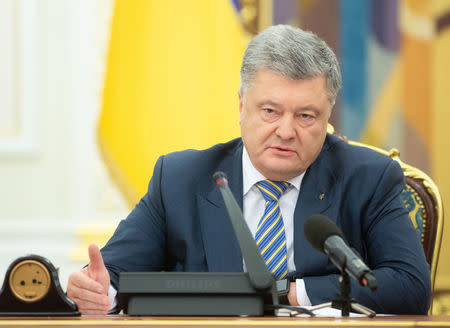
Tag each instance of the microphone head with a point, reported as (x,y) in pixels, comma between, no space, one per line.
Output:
(219,177)
(318,228)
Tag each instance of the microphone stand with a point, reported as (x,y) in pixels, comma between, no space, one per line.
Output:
(344,302)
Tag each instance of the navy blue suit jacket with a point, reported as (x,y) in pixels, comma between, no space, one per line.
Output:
(181,224)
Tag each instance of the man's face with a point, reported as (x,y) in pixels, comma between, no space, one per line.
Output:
(284,123)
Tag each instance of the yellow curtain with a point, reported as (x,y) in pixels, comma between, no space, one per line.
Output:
(171,83)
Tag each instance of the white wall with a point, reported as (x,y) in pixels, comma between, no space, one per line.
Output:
(59,183)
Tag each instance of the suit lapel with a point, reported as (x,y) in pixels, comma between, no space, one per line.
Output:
(221,247)
(316,194)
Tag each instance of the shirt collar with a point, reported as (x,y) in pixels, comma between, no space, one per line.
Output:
(250,175)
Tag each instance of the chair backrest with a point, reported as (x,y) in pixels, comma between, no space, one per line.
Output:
(423,202)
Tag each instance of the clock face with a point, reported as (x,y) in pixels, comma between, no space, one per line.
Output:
(29,281)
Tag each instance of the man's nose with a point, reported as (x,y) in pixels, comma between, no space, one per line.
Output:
(286,128)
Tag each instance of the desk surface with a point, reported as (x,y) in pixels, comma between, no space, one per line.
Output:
(125,321)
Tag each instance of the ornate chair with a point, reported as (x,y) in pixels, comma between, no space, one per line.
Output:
(423,202)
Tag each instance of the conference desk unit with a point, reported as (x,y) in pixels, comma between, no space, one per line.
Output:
(253,322)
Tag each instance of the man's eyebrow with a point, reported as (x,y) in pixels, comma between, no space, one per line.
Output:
(268,102)
(272,103)
(311,108)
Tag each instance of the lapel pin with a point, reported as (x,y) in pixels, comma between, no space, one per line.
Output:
(321,196)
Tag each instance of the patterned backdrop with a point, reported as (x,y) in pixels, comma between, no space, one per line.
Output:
(395,57)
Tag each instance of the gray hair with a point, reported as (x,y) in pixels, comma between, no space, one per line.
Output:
(292,53)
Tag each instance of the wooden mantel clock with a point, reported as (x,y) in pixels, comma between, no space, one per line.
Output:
(31,287)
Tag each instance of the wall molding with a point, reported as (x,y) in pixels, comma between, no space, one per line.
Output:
(25,142)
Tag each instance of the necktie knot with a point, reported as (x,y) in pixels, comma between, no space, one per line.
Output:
(272,190)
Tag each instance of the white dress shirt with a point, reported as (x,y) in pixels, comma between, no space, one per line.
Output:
(254,205)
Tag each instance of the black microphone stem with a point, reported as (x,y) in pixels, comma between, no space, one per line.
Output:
(259,275)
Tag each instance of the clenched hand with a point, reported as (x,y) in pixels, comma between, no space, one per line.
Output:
(88,288)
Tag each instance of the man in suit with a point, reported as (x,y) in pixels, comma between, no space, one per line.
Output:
(284,169)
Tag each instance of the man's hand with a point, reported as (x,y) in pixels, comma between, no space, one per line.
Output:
(89,286)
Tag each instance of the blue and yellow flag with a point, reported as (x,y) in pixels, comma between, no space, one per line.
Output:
(172,82)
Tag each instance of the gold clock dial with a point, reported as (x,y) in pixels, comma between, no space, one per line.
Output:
(29,281)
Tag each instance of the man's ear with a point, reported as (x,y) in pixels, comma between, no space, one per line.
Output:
(331,110)
(241,100)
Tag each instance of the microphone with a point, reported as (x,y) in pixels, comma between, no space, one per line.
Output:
(325,236)
(259,275)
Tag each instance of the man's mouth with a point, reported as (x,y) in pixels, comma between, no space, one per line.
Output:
(282,150)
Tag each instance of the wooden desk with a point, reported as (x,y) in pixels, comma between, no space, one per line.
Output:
(253,322)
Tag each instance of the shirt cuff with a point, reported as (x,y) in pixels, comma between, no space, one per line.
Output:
(302,297)
(112,293)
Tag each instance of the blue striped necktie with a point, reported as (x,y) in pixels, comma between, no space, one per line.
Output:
(270,236)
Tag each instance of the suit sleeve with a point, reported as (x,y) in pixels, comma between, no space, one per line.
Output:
(138,244)
(394,253)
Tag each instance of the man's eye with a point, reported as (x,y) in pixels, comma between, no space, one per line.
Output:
(306,117)
(269,111)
